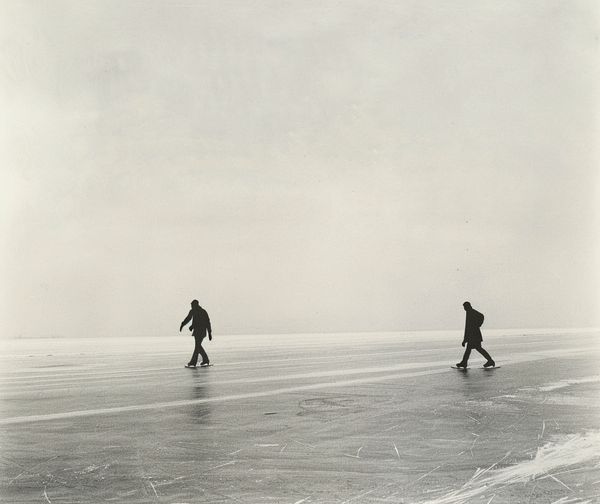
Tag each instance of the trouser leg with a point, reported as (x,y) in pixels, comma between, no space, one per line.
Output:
(484,353)
(202,353)
(466,355)
(197,346)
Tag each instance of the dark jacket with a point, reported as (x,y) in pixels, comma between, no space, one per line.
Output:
(200,322)
(473,322)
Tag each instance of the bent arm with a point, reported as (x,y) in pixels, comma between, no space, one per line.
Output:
(186,320)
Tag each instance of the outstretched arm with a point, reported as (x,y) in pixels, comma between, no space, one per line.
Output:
(186,320)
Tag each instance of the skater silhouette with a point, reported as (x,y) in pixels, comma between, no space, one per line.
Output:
(472,337)
(200,326)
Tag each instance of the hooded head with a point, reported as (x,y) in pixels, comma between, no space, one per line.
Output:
(467,306)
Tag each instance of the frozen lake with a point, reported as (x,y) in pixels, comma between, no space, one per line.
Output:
(361,418)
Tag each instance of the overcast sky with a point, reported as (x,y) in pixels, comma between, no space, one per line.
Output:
(298,166)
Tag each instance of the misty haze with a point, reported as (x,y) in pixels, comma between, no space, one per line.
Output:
(324,184)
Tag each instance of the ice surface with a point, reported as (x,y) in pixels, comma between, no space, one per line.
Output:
(349,418)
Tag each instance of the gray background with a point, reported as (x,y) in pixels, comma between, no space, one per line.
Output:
(298,166)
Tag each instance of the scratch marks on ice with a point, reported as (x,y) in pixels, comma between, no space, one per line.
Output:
(573,450)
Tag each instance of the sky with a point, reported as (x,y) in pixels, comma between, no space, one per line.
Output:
(298,166)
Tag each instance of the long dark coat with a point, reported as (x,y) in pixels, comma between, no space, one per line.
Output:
(473,322)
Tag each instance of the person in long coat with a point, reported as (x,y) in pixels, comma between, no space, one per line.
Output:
(472,337)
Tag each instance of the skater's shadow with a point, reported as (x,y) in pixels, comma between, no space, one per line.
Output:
(198,393)
(464,373)
(475,382)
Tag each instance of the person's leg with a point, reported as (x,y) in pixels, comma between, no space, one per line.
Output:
(203,354)
(489,361)
(466,355)
(197,346)
(481,350)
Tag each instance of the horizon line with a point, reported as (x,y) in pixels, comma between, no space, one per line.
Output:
(292,333)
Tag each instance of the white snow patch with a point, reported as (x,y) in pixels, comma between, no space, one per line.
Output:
(562,384)
(573,450)
(568,383)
